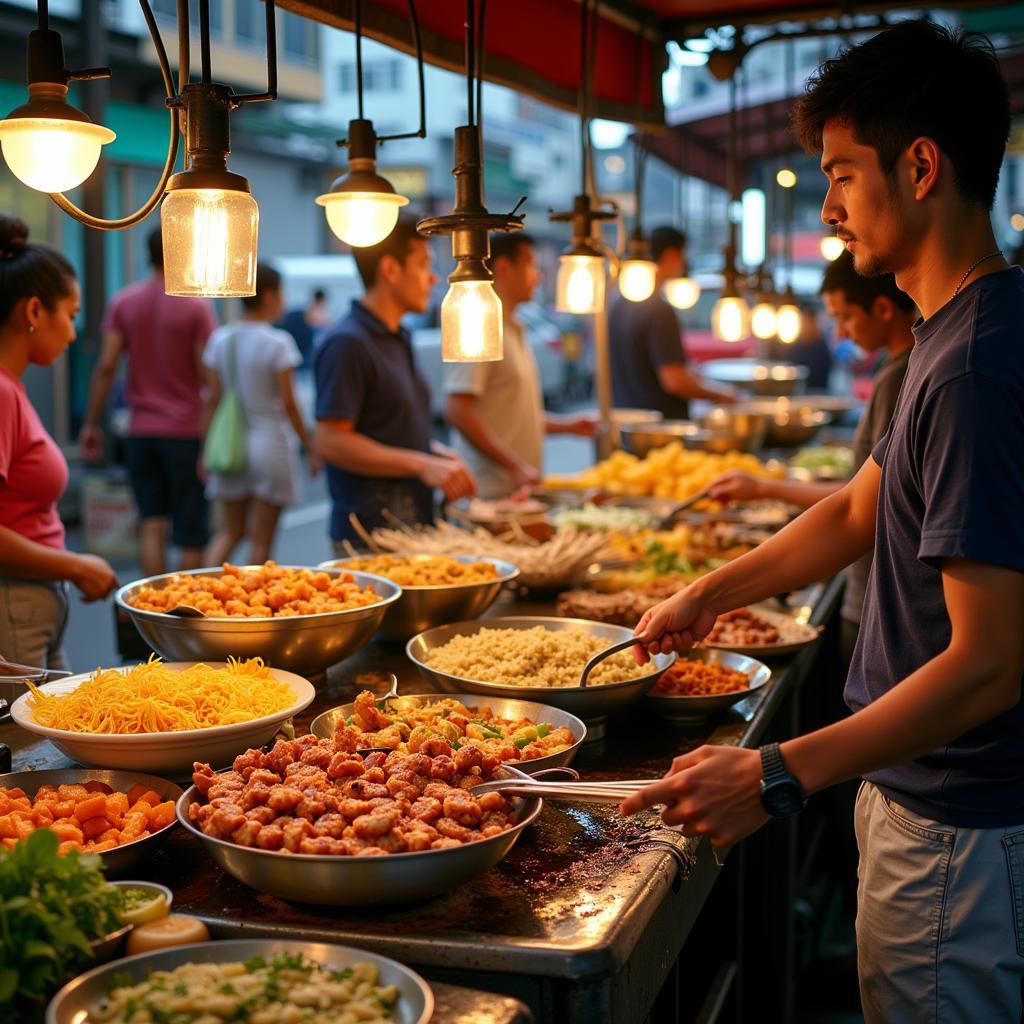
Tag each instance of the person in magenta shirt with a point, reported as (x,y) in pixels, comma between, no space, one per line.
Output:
(39,300)
(163,337)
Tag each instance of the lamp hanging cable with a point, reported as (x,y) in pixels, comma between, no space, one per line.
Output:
(470,60)
(359,56)
(481,22)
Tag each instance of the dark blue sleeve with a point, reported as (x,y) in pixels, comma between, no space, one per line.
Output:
(342,379)
(878,452)
(663,339)
(968,458)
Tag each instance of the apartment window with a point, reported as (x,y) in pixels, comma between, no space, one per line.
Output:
(249,21)
(301,37)
(169,9)
(378,76)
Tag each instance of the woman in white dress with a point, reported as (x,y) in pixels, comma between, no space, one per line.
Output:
(258,360)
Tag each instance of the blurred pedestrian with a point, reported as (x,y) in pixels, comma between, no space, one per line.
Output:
(39,300)
(257,361)
(163,337)
(305,324)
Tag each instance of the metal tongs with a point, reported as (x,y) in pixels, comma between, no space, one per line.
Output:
(668,521)
(11,671)
(582,792)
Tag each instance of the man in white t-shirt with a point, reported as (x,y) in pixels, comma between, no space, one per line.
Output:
(497,409)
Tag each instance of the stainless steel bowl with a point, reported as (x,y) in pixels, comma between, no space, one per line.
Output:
(760,376)
(591,703)
(683,708)
(72,1004)
(789,422)
(325,724)
(362,881)
(116,861)
(305,644)
(728,433)
(420,608)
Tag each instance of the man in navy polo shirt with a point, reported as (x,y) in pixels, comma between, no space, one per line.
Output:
(912,128)
(372,403)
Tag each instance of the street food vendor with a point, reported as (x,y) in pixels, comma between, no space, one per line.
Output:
(373,404)
(648,359)
(912,127)
(39,300)
(497,408)
(877,317)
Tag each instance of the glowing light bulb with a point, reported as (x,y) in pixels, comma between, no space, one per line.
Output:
(764,321)
(637,279)
(730,319)
(786,178)
(832,247)
(682,292)
(471,324)
(362,218)
(789,323)
(580,284)
(210,238)
(51,154)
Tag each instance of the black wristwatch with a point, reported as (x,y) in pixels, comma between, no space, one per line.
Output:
(781,792)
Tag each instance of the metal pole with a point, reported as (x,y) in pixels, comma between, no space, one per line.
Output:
(608,438)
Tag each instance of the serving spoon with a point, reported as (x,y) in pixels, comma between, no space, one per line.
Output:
(607,653)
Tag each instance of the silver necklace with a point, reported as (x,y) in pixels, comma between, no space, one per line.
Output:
(974,266)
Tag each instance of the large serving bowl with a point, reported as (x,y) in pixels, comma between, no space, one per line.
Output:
(325,724)
(362,881)
(74,1001)
(683,708)
(307,644)
(591,703)
(115,861)
(760,376)
(727,433)
(789,422)
(420,608)
(167,753)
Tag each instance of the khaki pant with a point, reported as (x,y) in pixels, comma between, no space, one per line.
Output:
(33,617)
(940,918)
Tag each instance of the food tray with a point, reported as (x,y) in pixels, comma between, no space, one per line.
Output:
(683,708)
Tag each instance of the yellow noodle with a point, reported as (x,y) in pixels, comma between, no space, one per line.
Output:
(151,698)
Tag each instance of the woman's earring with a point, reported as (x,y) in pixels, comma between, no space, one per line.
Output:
(31,328)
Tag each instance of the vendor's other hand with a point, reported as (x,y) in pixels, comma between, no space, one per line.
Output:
(450,475)
(582,426)
(524,476)
(712,791)
(314,463)
(90,441)
(675,624)
(93,576)
(735,486)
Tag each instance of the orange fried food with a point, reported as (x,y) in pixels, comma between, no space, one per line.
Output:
(269,590)
(688,678)
(91,817)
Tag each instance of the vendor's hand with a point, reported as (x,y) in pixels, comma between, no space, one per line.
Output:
(712,791)
(736,486)
(524,476)
(93,576)
(581,426)
(675,624)
(449,474)
(314,463)
(90,441)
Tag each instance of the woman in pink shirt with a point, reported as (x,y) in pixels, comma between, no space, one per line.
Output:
(39,300)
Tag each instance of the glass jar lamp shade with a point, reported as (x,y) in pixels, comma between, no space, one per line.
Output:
(637,279)
(788,323)
(832,247)
(580,284)
(730,319)
(682,292)
(764,320)
(471,323)
(209,238)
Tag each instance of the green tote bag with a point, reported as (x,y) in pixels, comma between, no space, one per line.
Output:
(226,451)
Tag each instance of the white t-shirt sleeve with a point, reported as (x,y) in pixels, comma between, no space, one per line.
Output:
(286,354)
(212,350)
(465,378)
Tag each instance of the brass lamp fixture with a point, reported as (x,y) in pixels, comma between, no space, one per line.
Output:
(471,313)
(362,206)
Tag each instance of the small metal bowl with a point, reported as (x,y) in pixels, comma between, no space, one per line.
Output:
(760,376)
(330,880)
(789,422)
(305,644)
(324,724)
(73,1003)
(737,434)
(111,946)
(420,608)
(117,861)
(682,708)
(591,703)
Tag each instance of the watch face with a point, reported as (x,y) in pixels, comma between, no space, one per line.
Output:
(782,798)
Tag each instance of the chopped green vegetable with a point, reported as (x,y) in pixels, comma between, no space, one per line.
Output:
(543,729)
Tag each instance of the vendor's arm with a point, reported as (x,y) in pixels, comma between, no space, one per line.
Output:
(91,435)
(461,413)
(28,560)
(739,486)
(675,379)
(582,425)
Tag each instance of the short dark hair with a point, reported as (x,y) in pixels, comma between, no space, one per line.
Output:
(155,244)
(397,245)
(319,295)
(916,79)
(664,238)
(506,245)
(29,270)
(267,280)
(841,276)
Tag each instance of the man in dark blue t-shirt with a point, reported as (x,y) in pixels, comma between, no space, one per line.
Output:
(372,403)
(912,126)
